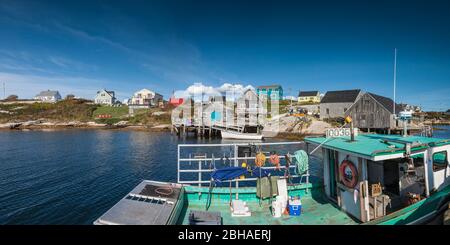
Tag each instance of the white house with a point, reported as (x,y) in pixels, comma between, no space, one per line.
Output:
(105,97)
(145,97)
(48,96)
(250,109)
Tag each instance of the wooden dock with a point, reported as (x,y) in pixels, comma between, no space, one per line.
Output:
(210,131)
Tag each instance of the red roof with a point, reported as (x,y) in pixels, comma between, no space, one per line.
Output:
(176,101)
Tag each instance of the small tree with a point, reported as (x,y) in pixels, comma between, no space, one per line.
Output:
(12,97)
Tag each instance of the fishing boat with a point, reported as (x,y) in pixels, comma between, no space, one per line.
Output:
(366,179)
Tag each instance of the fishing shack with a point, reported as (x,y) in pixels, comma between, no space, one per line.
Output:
(371,176)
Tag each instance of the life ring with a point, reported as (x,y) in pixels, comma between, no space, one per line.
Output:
(348,180)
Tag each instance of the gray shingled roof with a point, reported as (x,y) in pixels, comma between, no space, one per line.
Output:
(387,103)
(307,93)
(47,93)
(341,96)
(269,86)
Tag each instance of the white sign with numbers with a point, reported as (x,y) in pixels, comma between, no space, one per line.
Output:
(340,132)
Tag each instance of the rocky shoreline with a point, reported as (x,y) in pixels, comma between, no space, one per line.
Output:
(51,125)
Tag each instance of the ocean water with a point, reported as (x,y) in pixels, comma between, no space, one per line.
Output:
(74,176)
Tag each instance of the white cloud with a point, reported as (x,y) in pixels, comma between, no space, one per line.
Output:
(198,91)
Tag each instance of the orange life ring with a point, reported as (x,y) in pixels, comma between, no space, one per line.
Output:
(348,180)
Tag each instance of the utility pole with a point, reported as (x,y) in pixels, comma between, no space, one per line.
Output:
(4,91)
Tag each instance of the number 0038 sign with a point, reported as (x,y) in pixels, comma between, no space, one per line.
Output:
(339,132)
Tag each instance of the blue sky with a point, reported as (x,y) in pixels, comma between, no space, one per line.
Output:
(81,46)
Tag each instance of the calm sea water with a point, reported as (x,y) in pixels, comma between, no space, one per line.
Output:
(74,176)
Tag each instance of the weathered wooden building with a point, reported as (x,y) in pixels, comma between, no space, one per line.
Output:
(372,111)
(335,103)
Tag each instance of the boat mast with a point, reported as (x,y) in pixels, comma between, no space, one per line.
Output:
(395,76)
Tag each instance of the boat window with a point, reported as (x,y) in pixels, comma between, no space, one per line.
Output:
(418,160)
(440,160)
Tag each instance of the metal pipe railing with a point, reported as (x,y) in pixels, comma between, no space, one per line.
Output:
(234,160)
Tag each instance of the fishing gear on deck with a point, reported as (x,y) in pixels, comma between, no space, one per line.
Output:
(302,161)
(260,159)
(287,170)
(275,160)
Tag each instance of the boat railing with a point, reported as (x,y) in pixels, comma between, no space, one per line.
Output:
(208,158)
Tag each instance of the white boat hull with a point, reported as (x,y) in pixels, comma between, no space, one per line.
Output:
(240,136)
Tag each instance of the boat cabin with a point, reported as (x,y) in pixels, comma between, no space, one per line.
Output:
(374,175)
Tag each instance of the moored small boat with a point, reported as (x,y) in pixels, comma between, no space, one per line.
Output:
(228,134)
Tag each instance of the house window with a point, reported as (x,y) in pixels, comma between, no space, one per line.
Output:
(328,111)
(440,161)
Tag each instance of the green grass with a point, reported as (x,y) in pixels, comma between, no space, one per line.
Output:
(65,110)
(115,112)
(146,118)
(83,111)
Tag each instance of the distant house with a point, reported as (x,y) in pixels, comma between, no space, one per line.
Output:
(217,98)
(274,92)
(408,107)
(105,97)
(146,98)
(309,97)
(335,103)
(372,111)
(250,109)
(48,96)
(218,113)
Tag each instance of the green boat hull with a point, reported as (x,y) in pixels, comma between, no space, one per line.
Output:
(317,209)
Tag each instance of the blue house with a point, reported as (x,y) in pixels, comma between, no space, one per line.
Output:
(274,92)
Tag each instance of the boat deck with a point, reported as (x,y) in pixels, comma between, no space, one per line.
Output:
(315,211)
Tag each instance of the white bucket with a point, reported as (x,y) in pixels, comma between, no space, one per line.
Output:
(283,202)
(277,209)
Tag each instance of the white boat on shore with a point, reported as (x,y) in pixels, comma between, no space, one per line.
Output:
(228,134)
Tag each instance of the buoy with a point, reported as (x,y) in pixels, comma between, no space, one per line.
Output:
(244,165)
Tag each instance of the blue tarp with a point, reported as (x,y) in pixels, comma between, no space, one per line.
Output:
(230,173)
(264,172)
